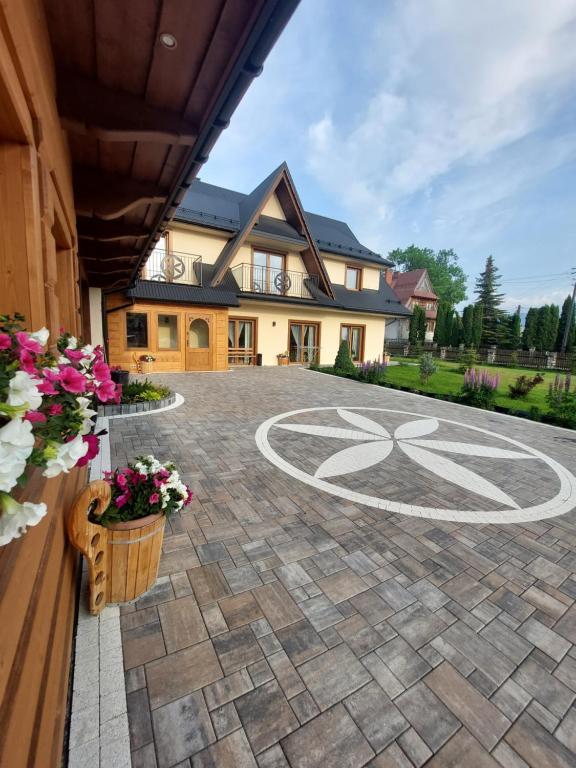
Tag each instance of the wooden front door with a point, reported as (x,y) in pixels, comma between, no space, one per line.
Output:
(200,342)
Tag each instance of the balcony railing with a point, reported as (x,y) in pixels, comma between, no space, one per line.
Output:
(173,267)
(275,282)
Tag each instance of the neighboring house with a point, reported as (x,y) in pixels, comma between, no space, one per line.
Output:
(241,279)
(413,288)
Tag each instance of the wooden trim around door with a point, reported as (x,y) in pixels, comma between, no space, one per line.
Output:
(254,320)
(318,325)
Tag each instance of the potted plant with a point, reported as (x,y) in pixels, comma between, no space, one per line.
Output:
(118,524)
(119,375)
(146,363)
(283,358)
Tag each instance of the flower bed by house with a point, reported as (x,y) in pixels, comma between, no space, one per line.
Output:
(139,397)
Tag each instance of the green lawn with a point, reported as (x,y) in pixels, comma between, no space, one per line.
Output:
(448,381)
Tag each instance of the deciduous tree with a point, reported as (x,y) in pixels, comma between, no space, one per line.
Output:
(446,275)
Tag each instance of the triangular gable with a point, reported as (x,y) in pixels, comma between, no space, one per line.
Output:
(280,183)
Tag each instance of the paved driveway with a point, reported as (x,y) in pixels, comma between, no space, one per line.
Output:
(364,577)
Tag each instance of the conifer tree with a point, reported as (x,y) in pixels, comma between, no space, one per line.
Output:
(343,363)
(490,300)
(478,325)
(562,325)
(516,330)
(456,335)
(468,325)
(529,332)
(417,330)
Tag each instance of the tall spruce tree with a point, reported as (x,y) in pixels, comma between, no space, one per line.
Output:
(490,300)
(478,325)
(448,327)
(529,332)
(562,326)
(468,325)
(547,322)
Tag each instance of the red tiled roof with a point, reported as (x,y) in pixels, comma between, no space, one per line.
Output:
(405,285)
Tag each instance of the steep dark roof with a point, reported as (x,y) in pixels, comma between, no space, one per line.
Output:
(225,209)
(183,294)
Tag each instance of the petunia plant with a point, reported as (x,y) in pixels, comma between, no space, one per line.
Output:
(144,488)
(47,410)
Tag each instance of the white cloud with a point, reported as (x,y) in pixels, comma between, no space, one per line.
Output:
(453,86)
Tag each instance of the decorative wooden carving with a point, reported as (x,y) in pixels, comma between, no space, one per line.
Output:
(91,109)
(122,564)
(109,231)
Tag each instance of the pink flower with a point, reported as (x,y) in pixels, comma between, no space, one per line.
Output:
(27,362)
(122,499)
(27,342)
(47,388)
(121,481)
(93,449)
(98,352)
(5,341)
(154,498)
(35,417)
(75,355)
(101,371)
(71,380)
(55,410)
(107,391)
(189,496)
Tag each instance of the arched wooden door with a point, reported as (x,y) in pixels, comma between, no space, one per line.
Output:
(200,342)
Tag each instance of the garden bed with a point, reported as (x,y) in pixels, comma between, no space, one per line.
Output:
(405,378)
(140,397)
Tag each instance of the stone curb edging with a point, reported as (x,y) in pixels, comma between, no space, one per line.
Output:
(130,408)
(99,734)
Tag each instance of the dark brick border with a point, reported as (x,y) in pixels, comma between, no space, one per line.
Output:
(125,408)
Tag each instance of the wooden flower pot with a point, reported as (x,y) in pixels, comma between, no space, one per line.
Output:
(123,559)
(283,360)
(146,367)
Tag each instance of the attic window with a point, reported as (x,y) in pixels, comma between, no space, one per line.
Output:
(353,278)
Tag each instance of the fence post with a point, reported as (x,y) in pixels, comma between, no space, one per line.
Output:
(491,355)
(443,353)
(550,359)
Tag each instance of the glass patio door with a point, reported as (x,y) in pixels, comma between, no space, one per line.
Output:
(354,335)
(241,341)
(304,338)
(265,268)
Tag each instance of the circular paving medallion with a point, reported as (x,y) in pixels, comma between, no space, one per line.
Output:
(417,465)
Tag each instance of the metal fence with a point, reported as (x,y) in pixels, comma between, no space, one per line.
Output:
(521,358)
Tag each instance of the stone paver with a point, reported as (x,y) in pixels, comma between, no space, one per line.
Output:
(292,628)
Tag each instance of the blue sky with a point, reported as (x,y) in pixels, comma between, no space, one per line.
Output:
(443,123)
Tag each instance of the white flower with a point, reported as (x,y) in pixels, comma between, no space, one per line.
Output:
(14,517)
(72,343)
(16,444)
(41,336)
(67,457)
(23,390)
(86,413)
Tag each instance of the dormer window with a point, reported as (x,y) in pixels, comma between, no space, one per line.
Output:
(353,278)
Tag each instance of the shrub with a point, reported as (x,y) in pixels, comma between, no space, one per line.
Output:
(143,391)
(427,367)
(372,372)
(562,401)
(479,389)
(469,360)
(524,385)
(343,364)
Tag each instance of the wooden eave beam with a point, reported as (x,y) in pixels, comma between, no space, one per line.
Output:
(108,196)
(105,251)
(89,108)
(109,231)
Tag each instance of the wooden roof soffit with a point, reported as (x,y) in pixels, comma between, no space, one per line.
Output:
(109,231)
(108,196)
(88,108)
(106,251)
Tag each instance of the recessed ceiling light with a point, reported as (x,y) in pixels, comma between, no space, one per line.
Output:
(168,40)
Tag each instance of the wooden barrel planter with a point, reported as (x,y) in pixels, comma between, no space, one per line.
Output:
(123,559)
